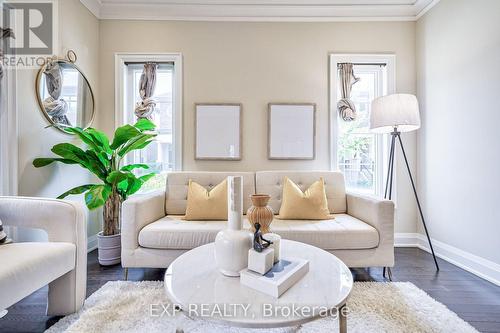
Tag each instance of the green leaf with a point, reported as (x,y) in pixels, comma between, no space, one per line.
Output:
(98,162)
(76,190)
(124,134)
(138,142)
(100,139)
(136,185)
(70,152)
(97,196)
(145,125)
(87,159)
(85,137)
(41,162)
(134,166)
(147,177)
(116,177)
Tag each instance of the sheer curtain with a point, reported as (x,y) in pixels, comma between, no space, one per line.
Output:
(147,85)
(346,108)
(8,132)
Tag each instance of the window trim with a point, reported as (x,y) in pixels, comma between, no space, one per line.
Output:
(120,94)
(335,59)
(9,133)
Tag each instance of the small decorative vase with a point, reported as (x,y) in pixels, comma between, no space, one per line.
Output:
(260,213)
(232,244)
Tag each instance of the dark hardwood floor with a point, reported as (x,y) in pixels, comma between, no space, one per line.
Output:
(472,298)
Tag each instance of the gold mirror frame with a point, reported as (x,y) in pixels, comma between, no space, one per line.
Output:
(70,59)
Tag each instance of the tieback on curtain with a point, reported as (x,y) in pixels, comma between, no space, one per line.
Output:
(345,106)
(147,85)
(55,106)
(4,34)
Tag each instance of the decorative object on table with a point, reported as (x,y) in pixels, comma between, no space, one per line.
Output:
(275,240)
(262,261)
(207,205)
(232,244)
(311,204)
(3,236)
(218,131)
(147,85)
(104,160)
(260,212)
(259,242)
(346,107)
(291,131)
(395,114)
(196,268)
(279,279)
(54,90)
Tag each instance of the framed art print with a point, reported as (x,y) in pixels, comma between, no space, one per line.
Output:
(291,131)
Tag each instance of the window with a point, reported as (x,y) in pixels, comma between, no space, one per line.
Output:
(359,154)
(164,154)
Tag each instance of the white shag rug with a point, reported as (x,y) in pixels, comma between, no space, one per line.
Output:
(124,306)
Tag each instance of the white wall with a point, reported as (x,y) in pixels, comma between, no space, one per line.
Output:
(458,56)
(78,30)
(258,63)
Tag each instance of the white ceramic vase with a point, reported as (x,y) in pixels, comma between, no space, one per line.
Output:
(232,244)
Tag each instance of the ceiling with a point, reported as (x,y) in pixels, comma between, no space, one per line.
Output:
(261,10)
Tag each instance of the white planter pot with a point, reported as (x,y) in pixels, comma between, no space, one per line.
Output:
(109,249)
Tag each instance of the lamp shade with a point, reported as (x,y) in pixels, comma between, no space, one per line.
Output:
(397,110)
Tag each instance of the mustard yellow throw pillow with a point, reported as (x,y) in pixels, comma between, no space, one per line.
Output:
(206,205)
(309,205)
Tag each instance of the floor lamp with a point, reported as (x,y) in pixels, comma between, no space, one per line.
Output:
(395,114)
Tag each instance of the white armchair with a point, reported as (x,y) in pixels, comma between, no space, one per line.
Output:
(61,262)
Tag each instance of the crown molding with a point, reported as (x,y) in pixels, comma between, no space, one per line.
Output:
(258,11)
(424,8)
(94,6)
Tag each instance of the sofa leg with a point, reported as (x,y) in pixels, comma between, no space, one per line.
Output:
(383,272)
(126,274)
(389,273)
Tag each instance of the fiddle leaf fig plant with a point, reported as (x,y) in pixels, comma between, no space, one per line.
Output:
(104,159)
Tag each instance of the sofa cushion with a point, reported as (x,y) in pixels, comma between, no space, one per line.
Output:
(26,267)
(203,204)
(172,232)
(271,182)
(310,204)
(178,183)
(343,232)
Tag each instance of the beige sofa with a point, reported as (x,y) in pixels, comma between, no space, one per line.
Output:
(61,262)
(361,234)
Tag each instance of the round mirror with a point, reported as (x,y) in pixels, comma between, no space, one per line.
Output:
(64,95)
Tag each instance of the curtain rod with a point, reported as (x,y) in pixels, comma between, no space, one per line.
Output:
(382,64)
(145,62)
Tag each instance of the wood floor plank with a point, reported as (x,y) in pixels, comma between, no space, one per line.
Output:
(472,298)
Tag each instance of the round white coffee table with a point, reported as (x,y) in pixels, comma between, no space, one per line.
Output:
(194,284)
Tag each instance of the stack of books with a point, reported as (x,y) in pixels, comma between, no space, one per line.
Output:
(284,274)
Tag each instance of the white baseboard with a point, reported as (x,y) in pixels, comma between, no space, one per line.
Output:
(479,266)
(91,243)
